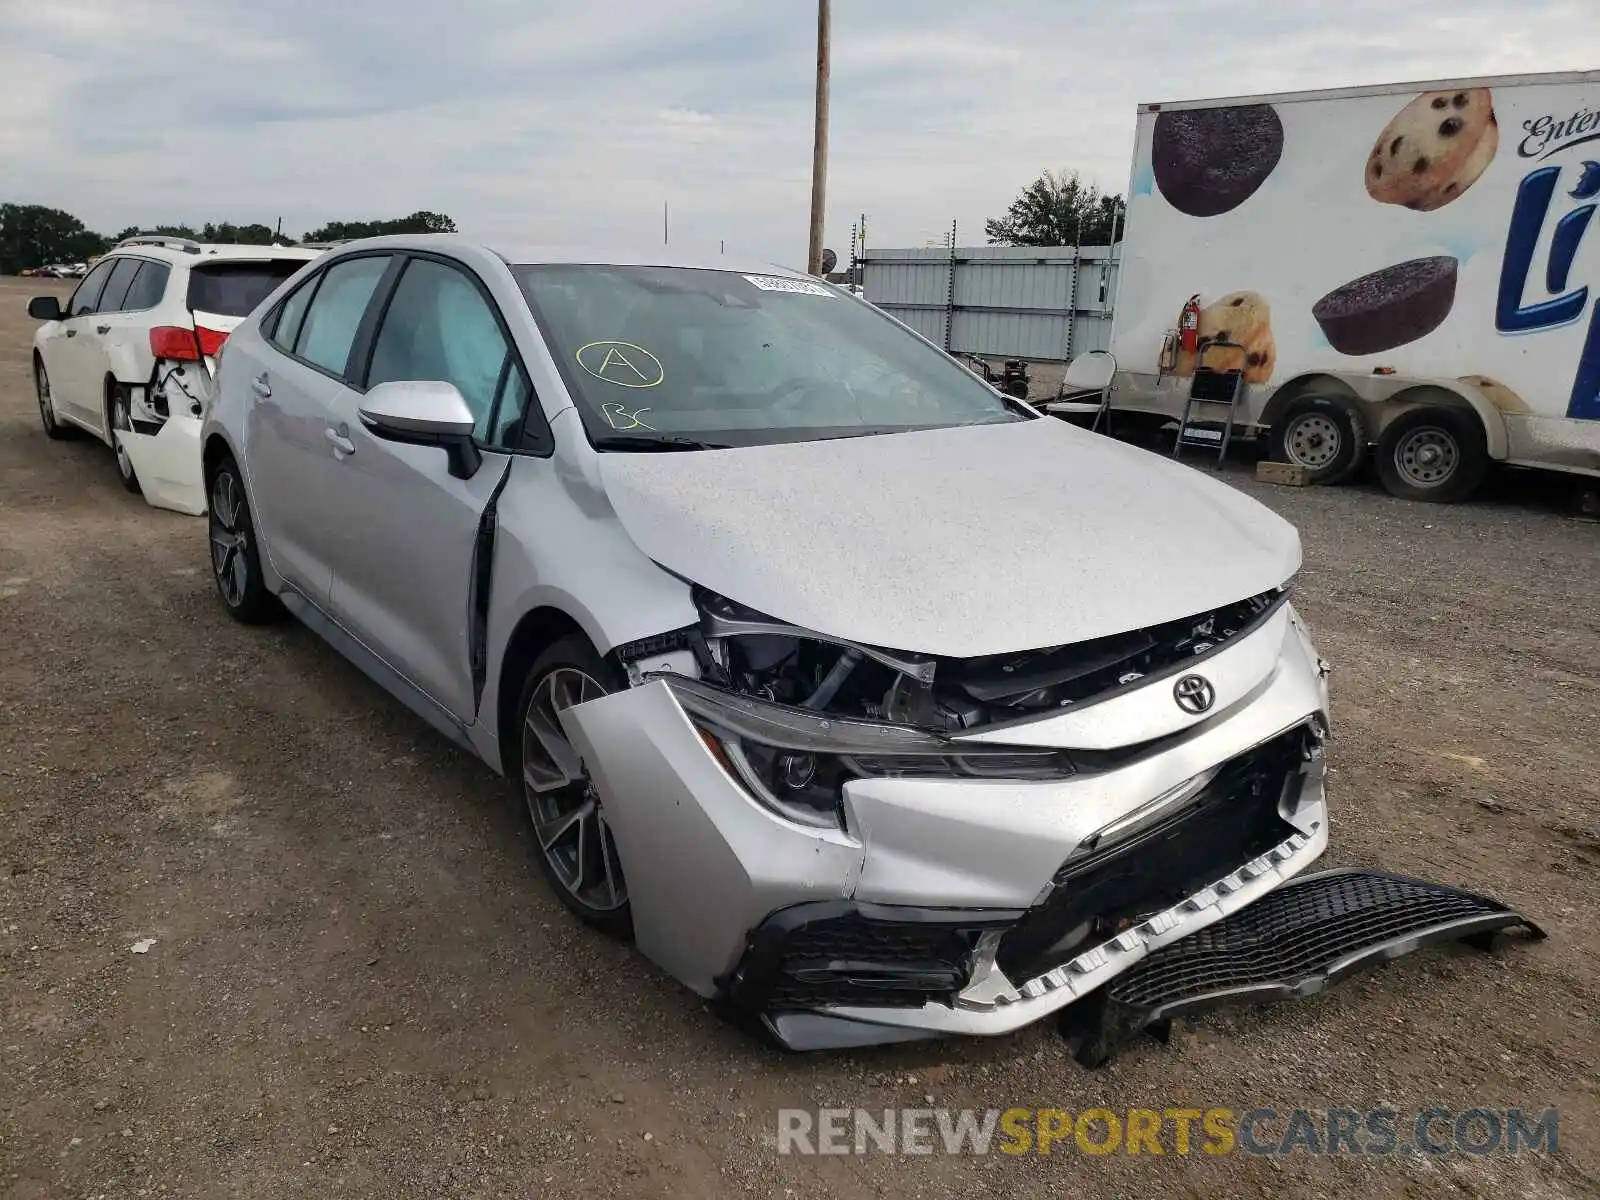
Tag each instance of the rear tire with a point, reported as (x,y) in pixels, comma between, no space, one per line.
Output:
(119,418)
(53,429)
(235,553)
(1325,436)
(1437,455)
(573,842)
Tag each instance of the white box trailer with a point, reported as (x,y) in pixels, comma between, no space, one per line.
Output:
(1412,267)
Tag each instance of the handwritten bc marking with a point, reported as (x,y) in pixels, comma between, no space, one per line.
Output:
(621,418)
(621,363)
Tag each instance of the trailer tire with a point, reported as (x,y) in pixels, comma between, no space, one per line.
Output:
(1326,436)
(1438,455)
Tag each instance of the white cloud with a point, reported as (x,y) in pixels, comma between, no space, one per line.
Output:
(538,121)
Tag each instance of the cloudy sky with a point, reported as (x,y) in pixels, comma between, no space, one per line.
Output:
(532,121)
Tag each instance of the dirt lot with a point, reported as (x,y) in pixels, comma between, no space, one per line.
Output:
(359,987)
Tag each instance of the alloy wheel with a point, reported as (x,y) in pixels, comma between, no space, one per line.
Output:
(574,835)
(121,422)
(230,537)
(41,383)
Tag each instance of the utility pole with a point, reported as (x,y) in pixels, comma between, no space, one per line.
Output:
(819,149)
(666,237)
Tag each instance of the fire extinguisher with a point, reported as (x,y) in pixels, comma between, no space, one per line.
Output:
(1189,325)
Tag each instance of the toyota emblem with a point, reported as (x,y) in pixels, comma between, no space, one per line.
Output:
(1194,694)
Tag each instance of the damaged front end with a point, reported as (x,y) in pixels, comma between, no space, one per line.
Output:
(851,845)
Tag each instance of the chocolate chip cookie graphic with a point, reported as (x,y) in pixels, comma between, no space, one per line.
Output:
(1210,160)
(1434,150)
(1243,318)
(1388,308)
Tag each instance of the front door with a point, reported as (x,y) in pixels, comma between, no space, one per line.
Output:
(296,379)
(403,571)
(70,355)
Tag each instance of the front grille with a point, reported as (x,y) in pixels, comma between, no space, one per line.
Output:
(829,953)
(1232,820)
(1297,932)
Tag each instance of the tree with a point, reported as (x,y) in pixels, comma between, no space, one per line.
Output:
(417,222)
(1058,209)
(32,235)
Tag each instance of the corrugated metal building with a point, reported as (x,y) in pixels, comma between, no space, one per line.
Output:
(999,301)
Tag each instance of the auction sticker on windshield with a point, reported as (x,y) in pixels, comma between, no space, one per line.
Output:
(776,283)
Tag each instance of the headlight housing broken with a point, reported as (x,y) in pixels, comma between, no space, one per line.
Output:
(795,762)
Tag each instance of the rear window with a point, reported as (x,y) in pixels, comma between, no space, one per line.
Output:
(233,289)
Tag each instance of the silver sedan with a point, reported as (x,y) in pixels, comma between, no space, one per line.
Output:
(866,699)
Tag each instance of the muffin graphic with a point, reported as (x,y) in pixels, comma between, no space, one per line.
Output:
(1209,161)
(1388,308)
(1246,319)
(1434,149)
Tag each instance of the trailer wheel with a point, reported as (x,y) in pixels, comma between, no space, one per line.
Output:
(1325,436)
(1438,455)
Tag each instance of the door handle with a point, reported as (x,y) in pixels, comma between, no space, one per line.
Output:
(102,329)
(260,387)
(72,333)
(340,443)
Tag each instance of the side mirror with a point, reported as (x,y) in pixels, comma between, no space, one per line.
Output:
(424,413)
(45,308)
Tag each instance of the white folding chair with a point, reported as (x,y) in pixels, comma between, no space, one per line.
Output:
(1086,388)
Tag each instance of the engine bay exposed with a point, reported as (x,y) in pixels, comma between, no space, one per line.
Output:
(761,657)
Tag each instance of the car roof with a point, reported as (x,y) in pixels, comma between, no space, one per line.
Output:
(612,255)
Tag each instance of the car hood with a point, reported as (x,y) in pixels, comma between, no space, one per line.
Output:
(958,542)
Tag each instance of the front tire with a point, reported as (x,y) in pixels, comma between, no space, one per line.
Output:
(235,555)
(573,841)
(1437,455)
(1327,437)
(53,429)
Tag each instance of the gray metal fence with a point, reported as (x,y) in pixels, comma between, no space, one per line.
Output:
(1040,303)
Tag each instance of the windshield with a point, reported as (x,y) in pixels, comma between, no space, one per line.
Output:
(681,358)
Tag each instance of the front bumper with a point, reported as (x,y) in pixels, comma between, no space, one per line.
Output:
(987,871)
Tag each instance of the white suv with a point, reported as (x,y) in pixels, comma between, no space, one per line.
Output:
(132,356)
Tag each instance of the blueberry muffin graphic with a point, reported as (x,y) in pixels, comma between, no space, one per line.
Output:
(1434,150)
(1246,319)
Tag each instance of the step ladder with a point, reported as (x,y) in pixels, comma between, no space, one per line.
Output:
(1218,388)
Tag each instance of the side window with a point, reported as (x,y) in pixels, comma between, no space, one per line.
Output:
(329,328)
(117,285)
(291,313)
(511,407)
(439,326)
(88,293)
(147,287)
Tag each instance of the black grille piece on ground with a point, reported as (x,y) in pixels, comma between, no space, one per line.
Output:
(838,952)
(1293,942)
(1232,820)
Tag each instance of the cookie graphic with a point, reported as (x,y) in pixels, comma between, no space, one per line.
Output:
(1434,149)
(1210,160)
(1244,318)
(1388,308)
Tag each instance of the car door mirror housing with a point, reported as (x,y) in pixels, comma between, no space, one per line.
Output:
(45,308)
(424,413)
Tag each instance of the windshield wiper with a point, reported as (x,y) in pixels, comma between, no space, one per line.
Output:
(647,442)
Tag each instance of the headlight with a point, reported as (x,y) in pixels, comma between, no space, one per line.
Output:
(796,762)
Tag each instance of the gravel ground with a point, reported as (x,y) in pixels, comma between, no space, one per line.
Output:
(359,987)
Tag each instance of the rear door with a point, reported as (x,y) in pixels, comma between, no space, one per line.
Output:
(297,379)
(403,573)
(118,340)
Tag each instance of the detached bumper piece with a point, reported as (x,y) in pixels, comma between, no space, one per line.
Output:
(1294,942)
